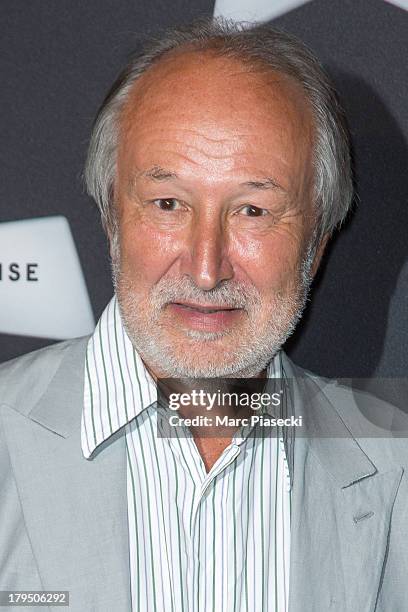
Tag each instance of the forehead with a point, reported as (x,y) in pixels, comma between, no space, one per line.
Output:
(219,106)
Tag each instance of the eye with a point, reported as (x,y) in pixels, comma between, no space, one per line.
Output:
(253,211)
(167,204)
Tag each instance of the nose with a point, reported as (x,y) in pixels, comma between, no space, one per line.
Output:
(206,261)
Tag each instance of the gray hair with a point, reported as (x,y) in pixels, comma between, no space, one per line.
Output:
(263,46)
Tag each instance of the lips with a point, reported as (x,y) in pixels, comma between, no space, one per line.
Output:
(204,317)
(204,309)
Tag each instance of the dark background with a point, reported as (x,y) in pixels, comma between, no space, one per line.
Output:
(57,60)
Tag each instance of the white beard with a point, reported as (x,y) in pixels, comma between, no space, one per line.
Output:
(244,352)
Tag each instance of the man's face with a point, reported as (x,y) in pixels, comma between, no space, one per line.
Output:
(213,194)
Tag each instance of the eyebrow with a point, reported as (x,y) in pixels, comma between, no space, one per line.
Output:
(156,173)
(267,183)
(159,174)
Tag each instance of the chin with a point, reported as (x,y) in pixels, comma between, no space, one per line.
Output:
(206,359)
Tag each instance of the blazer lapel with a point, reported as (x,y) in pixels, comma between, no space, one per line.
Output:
(75,509)
(341,510)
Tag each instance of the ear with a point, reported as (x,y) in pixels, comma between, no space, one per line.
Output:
(319,253)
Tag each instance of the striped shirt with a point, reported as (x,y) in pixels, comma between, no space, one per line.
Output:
(199,542)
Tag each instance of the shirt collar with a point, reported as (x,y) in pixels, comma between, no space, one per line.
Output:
(118,386)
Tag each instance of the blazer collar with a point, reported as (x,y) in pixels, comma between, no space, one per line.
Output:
(323,430)
(67,382)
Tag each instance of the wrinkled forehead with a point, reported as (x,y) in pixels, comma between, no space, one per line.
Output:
(201,84)
(216,118)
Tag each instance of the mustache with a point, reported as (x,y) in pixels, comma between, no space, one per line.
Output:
(232,294)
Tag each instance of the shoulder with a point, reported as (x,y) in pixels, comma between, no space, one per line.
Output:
(357,400)
(379,426)
(23,380)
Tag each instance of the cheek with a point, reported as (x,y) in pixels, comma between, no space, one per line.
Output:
(146,254)
(270,262)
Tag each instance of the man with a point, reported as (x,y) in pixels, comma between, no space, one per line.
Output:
(220,163)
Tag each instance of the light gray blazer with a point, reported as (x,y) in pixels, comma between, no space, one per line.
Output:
(63,519)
